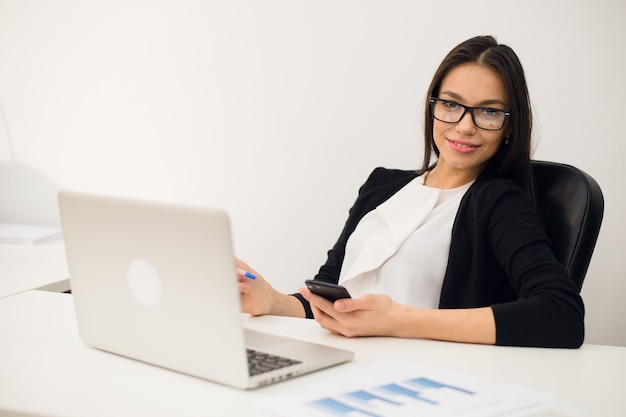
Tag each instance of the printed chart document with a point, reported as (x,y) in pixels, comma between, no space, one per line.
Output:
(26,234)
(402,390)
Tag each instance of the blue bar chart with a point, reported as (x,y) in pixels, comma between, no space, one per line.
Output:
(406,391)
(391,398)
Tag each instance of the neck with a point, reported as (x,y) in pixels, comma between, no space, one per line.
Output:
(445,179)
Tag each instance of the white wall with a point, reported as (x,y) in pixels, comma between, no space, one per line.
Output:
(278,110)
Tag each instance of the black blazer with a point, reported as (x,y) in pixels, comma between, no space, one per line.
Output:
(499,257)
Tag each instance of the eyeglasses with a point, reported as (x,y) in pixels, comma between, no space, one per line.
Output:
(486,118)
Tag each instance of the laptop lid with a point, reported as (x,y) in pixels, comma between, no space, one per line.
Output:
(157,282)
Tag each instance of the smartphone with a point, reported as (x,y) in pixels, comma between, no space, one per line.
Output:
(329,291)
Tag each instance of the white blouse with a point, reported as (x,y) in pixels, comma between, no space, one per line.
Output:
(401,248)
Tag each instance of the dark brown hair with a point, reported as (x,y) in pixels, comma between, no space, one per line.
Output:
(512,161)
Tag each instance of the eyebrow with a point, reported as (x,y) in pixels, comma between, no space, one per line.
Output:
(488,102)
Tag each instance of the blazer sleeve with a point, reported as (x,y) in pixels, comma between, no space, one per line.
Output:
(500,256)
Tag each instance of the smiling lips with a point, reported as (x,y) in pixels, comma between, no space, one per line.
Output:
(462,146)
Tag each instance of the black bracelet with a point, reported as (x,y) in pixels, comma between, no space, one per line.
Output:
(307,307)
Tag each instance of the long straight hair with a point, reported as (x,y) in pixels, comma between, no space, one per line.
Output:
(512,160)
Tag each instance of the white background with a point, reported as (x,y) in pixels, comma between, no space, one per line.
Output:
(278,110)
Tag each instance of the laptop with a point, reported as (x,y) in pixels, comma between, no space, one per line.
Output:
(157,282)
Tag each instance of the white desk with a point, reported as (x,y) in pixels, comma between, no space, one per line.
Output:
(45,369)
(41,266)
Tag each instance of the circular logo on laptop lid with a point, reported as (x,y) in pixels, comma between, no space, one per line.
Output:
(144,283)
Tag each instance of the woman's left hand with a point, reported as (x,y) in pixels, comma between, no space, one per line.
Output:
(367,315)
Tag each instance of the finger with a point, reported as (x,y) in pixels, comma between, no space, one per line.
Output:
(320,302)
(244,286)
(326,321)
(242,265)
(348,305)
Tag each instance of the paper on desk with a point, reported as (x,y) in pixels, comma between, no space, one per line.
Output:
(402,390)
(25,234)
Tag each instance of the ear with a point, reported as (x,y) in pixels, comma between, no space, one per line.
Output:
(508,132)
(506,139)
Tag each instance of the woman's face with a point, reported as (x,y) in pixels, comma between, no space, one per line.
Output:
(465,149)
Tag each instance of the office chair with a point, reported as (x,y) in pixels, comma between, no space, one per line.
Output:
(572,206)
(28,196)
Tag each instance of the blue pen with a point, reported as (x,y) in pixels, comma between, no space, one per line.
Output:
(246,273)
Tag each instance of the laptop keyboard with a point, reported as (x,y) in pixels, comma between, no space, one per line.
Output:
(260,362)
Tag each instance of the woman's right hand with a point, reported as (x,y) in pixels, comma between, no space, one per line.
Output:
(256,294)
(258,297)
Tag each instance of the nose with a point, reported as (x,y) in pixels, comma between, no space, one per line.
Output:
(466,124)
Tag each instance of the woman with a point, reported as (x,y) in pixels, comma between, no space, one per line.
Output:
(454,251)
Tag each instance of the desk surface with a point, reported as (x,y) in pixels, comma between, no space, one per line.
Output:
(46,370)
(25,267)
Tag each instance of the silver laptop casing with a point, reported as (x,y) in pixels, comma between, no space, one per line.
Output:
(181,310)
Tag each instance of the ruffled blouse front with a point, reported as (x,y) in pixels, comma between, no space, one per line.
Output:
(401,248)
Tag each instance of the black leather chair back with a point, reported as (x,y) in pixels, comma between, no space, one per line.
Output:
(572,206)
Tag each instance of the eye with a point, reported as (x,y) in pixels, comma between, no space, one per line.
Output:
(450,105)
(491,113)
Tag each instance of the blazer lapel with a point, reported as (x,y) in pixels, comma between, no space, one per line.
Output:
(382,231)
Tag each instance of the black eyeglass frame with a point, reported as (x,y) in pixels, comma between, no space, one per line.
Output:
(469,109)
